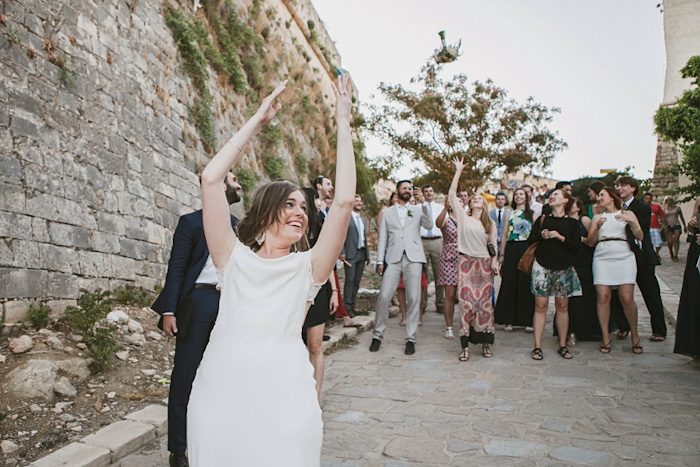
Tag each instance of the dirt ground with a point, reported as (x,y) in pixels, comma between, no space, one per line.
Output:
(40,427)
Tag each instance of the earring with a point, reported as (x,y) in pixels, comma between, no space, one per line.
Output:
(260,238)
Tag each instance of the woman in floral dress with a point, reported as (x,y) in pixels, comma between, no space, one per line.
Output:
(516,304)
(447,274)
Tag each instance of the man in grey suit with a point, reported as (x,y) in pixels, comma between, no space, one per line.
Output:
(354,254)
(400,252)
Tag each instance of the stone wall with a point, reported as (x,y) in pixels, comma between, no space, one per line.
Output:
(682,41)
(98,155)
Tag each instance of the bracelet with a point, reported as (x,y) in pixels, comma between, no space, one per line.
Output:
(229,141)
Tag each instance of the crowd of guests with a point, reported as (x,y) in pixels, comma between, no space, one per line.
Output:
(589,258)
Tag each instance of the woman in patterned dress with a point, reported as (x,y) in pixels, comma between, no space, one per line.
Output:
(515,304)
(476,231)
(447,273)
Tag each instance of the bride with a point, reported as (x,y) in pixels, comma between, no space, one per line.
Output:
(254,399)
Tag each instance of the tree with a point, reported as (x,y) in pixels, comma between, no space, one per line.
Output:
(680,124)
(447,119)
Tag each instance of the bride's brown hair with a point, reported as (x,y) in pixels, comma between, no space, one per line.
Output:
(268,202)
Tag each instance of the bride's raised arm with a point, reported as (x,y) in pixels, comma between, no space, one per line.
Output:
(332,237)
(215,209)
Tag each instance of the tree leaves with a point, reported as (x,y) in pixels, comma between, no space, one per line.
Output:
(446,119)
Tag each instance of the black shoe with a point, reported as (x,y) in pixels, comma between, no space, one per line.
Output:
(178,460)
(374,346)
(410,348)
(326,338)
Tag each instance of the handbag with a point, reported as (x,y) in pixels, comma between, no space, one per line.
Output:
(528,258)
(492,249)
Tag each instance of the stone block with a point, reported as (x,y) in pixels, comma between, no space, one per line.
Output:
(63,285)
(14,225)
(122,438)
(518,448)
(104,242)
(69,235)
(40,230)
(76,455)
(7,258)
(16,311)
(58,258)
(23,283)
(95,264)
(5,141)
(10,168)
(92,283)
(123,268)
(156,415)
(111,223)
(23,127)
(58,307)
(26,254)
(12,198)
(132,248)
(41,179)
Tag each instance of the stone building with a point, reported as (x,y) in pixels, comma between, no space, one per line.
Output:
(682,39)
(103,136)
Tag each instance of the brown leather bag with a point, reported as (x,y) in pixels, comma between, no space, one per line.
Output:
(528,258)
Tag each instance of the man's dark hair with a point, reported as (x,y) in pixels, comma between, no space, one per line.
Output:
(424,187)
(627,180)
(561,185)
(319,181)
(398,184)
(649,194)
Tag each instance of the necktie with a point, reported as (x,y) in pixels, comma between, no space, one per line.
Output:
(430,210)
(499,217)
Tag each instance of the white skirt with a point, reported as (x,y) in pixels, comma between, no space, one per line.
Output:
(614,263)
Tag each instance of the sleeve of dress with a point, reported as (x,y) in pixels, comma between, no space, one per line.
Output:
(314,287)
(220,272)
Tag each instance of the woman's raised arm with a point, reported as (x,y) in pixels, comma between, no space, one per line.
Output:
(332,237)
(215,209)
(452,192)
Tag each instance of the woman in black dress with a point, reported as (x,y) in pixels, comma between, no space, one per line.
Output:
(688,324)
(515,305)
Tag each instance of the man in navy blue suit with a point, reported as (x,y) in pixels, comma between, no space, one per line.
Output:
(191,277)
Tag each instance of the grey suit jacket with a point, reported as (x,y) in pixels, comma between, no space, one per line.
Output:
(394,239)
(352,239)
(493,214)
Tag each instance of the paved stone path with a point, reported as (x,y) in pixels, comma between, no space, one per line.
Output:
(387,409)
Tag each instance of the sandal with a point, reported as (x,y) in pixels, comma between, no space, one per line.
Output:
(605,348)
(402,323)
(449,334)
(508,328)
(565,354)
(622,334)
(656,338)
(537,354)
(464,356)
(637,348)
(486,351)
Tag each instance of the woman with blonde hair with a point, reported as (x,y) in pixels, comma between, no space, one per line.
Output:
(255,382)
(477,236)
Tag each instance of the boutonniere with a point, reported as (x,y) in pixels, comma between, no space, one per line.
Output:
(410,213)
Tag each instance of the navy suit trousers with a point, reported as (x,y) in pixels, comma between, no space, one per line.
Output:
(188,354)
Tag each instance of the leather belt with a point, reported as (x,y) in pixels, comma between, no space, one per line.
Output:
(431,238)
(205,286)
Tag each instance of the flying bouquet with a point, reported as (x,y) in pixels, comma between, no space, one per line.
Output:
(448,53)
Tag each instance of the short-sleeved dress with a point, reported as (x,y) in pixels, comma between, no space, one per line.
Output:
(254,397)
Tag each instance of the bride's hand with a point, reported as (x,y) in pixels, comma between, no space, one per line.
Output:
(342,89)
(269,107)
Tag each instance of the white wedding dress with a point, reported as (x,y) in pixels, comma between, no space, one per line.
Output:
(253,400)
(613,260)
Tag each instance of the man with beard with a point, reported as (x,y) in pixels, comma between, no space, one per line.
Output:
(189,300)
(400,253)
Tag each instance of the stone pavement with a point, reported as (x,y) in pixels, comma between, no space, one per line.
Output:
(387,409)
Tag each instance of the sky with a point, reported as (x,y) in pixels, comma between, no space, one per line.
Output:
(601,62)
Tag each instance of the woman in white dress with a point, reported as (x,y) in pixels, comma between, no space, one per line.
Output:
(254,400)
(614,263)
